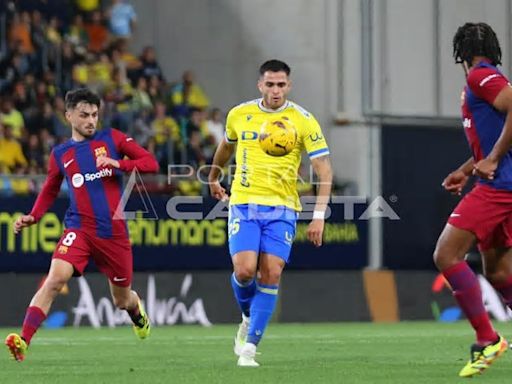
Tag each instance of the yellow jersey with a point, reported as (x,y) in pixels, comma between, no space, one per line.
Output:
(263,179)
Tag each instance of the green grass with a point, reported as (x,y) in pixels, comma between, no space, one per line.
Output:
(415,352)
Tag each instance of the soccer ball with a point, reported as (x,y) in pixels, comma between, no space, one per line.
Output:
(278,136)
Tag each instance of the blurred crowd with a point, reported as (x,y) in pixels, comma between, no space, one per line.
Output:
(52,46)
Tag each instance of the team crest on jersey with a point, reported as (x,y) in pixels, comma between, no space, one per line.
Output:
(100,151)
(62,249)
(248,117)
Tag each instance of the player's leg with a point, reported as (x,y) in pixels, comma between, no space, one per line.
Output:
(451,247)
(475,218)
(114,258)
(497,268)
(243,282)
(60,272)
(244,242)
(276,241)
(497,261)
(125,298)
(70,256)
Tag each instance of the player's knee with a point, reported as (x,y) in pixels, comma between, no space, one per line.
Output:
(55,283)
(443,259)
(244,274)
(271,276)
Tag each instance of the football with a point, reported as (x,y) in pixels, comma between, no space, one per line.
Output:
(278,136)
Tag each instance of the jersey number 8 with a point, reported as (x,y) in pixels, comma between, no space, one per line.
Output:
(68,240)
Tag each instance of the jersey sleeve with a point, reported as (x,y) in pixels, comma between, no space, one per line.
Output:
(230,133)
(486,83)
(314,140)
(50,190)
(138,157)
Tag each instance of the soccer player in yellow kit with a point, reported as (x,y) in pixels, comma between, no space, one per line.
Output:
(264,202)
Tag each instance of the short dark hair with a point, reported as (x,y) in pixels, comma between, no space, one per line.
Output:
(476,39)
(81,95)
(275,66)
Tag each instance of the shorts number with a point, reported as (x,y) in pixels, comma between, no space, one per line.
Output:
(233,227)
(68,240)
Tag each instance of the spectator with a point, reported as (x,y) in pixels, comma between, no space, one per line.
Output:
(21,98)
(60,125)
(11,117)
(156,89)
(97,33)
(187,94)
(38,35)
(215,125)
(14,69)
(80,72)
(47,143)
(197,123)
(122,19)
(54,39)
(101,73)
(141,99)
(166,136)
(77,35)
(149,65)
(142,132)
(67,62)
(195,150)
(34,153)
(19,33)
(130,61)
(120,94)
(11,155)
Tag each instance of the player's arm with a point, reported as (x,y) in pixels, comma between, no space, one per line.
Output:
(495,89)
(456,180)
(138,157)
(503,102)
(46,197)
(323,170)
(222,155)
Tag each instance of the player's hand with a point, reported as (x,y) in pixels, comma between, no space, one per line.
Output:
(217,191)
(485,168)
(104,162)
(316,231)
(22,222)
(455,182)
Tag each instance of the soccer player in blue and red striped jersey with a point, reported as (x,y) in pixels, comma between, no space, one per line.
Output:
(92,162)
(484,215)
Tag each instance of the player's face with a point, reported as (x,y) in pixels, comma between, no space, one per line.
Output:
(274,87)
(83,119)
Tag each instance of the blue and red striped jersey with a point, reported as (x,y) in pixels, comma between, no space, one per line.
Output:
(94,193)
(482,122)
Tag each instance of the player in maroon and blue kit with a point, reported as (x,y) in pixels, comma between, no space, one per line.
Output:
(92,162)
(484,215)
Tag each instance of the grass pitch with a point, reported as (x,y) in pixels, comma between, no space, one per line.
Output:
(414,352)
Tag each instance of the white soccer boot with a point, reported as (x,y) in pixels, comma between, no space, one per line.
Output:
(241,335)
(247,355)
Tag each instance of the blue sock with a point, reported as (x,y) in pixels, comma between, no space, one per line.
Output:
(262,308)
(244,293)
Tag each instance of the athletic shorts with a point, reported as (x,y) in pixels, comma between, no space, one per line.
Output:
(261,228)
(486,212)
(113,256)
